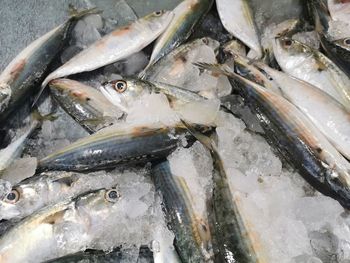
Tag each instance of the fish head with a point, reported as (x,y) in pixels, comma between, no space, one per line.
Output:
(9,204)
(158,20)
(123,92)
(289,46)
(98,201)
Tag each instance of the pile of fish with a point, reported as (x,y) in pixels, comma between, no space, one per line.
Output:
(189,135)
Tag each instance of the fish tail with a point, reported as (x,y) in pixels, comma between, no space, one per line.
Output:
(75,14)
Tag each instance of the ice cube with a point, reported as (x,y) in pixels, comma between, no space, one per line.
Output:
(20,169)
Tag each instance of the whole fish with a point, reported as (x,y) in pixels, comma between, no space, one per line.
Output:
(49,188)
(85,104)
(113,146)
(186,16)
(15,149)
(115,46)
(49,233)
(297,139)
(310,65)
(192,236)
(237,18)
(324,111)
(234,238)
(99,256)
(18,79)
(123,92)
(333,26)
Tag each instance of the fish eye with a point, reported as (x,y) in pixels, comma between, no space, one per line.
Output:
(120,86)
(12,197)
(287,42)
(112,196)
(158,13)
(347,41)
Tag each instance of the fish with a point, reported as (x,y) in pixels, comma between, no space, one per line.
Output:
(115,256)
(15,148)
(47,234)
(36,192)
(324,111)
(29,67)
(123,92)
(192,236)
(117,45)
(85,104)
(234,237)
(237,18)
(186,16)
(174,63)
(114,146)
(310,65)
(332,25)
(297,139)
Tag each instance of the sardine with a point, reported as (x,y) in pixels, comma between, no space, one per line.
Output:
(297,139)
(115,46)
(192,234)
(36,192)
(234,238)
(15,149)
(324,111)
(85,104)
(186,16)
(236,16)
(124,92)
(310,65)
(18,79)
(113,146)
(47,234)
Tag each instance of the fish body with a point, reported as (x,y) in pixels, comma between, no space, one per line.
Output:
(186,16)
(175,62)
(49,233)
(114,146)
(189,240)
(85,104)
(324,111)
(115,46)
(234,238)
(310,65)
(18,79)
(124,92)
(299,141)
(36,192)
(236,16)
(15,149)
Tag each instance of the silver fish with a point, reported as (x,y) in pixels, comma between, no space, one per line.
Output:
(36,192)
(115,46)
(85,104)
(310,65)
(234,238)
(18,79)
(113,146)
(123,92)
(48,233)
(186,16)
(192,234)
(236,16)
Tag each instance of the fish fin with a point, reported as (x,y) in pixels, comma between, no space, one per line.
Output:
(215,68)
(37,116)
(143,74)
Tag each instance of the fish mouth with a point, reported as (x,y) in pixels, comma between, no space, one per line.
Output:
(110,94)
